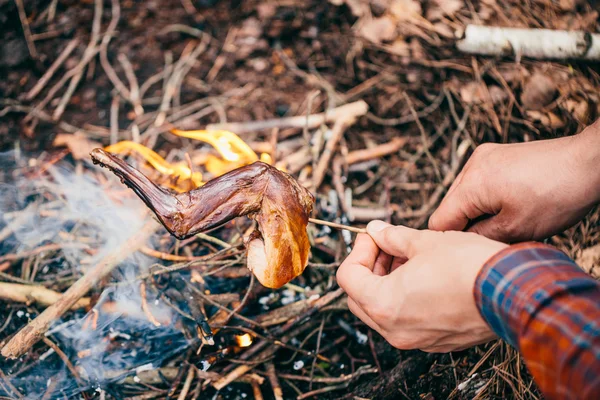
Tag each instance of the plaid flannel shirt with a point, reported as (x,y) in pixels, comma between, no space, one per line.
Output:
(538,300)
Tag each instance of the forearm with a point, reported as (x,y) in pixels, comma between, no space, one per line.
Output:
(538,300)
(585,150)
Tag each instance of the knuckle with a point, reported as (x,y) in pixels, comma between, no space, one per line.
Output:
(352,307)
(388,234)
(340,276)
(379,311)
(484,148)
(404,343)
(474,178)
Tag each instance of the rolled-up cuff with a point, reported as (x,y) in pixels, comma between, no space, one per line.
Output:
(512,283)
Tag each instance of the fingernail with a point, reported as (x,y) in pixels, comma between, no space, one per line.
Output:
(376,226)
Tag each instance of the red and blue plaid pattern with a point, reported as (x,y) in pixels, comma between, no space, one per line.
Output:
(538,300)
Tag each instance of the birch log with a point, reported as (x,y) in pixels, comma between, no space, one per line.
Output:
(532,43)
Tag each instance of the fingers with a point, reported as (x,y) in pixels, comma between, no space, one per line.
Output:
(396,263)
(456,210)
(383,263)
(360,314)
(356,275)
(398,241)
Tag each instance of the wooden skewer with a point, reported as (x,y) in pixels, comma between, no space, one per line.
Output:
(337,226)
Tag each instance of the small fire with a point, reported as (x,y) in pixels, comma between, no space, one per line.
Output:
(233,150)
(244,340)
(229,145)
(181,171)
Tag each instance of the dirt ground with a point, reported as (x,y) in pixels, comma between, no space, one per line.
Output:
(284,58)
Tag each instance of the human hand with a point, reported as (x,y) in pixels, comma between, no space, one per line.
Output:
(416,287)
(525,191)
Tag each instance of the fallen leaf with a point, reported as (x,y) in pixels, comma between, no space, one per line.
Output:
(569,5)
(513,73)
(539,91)
(399,48)
(406,10)
(445,30)
(358,8)
(266,10)
(441,8)
(379,7)
(251,28)
(548,119)
(487,10)
(78,144)
(589,260)
(476,93)
(472,93)
(579,109)
(379,30)
(416,49)
(575,21)
(497,94)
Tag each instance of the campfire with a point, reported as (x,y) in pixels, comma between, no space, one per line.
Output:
(160,304)
(258,139)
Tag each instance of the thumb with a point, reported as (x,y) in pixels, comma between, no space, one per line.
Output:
(455,211)
(397,241)
(495,227)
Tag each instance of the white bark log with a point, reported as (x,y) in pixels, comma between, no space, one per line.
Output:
(532,43)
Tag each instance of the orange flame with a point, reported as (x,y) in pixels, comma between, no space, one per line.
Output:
(233,150)
(180,171)
(228,144)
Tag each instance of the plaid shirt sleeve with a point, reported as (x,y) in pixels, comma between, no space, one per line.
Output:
(538,300)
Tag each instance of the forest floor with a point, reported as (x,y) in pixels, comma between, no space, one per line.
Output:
(132,70)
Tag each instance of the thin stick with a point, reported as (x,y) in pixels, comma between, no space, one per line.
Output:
(64,358)
(108,69)
(34,331)
(35,293)
(337,132)
(188,383)
(356,109)
(52,10)
(256,390)
(272,375)
(337,226)
(134,92)
(10,385)
(53,68)
(365,369)
(145,308)
(90,50)
(26,30)
(114,120)
(424,137)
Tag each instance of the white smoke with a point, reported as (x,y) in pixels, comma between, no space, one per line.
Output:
(72,206)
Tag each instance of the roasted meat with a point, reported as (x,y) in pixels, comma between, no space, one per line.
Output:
(277,252)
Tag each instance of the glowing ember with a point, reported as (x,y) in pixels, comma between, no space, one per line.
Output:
(244,340)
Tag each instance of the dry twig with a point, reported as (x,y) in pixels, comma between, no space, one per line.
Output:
(356,109)
(53,68)
(26,29)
